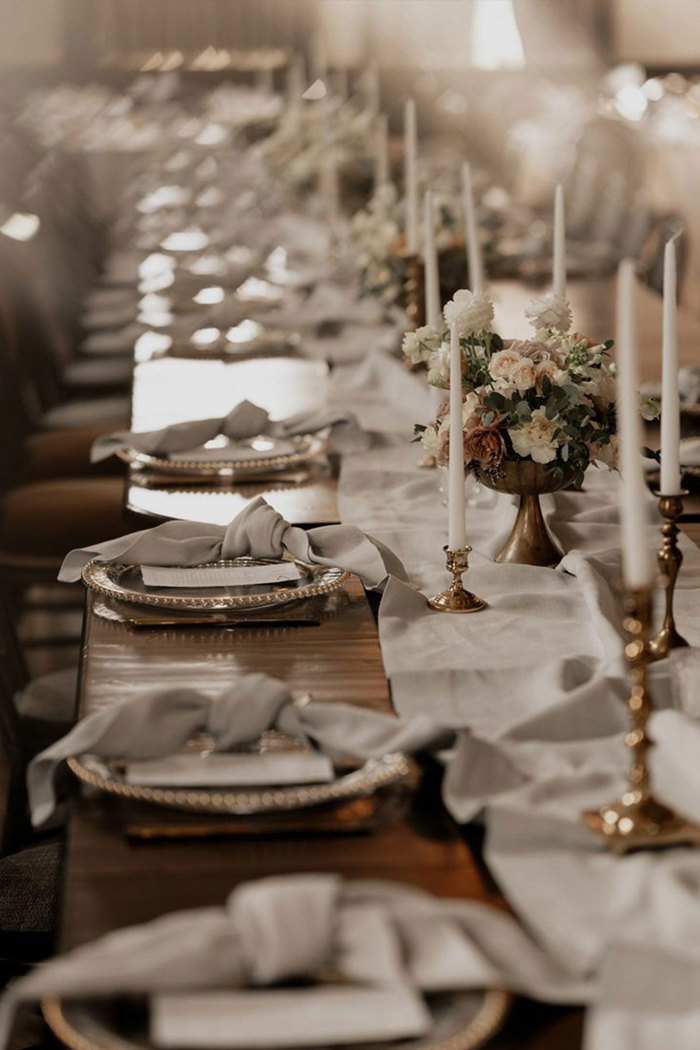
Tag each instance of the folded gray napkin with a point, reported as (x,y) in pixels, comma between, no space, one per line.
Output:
(295,926)
(258,531)
(244,421)
(158,725)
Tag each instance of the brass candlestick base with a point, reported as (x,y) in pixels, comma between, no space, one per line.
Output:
(670,559)
(638,820)
(456,599)
(414,289)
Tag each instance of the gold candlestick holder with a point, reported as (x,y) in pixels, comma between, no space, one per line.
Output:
(456,599)
(670,559)
(414,290)
(638,820)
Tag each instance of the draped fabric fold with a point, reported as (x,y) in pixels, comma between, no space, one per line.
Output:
(259,531)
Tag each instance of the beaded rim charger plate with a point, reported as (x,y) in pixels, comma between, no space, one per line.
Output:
(278,454)
(461,1021)
(373,774)
(124,583)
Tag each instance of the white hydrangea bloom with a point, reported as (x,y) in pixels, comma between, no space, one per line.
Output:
(470,311)
(550,313)
(419,346)
(439,367)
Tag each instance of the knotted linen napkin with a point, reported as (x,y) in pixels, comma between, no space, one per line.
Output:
(244,421)
(258,531)
(370,932)
(160,724)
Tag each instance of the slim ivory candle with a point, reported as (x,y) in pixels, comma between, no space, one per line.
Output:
(381,154)
(636,555)
(471,229)
(455,483)
(559,260)
(670,400)
(411,176)
(433,306)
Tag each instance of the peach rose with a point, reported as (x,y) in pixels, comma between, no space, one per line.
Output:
(484,444)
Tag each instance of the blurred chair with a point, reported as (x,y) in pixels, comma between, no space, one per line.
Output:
(29,865)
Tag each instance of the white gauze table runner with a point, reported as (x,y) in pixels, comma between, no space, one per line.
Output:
(539,680)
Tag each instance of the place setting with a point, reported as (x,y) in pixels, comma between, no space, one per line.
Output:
(258,561)
(253,751)
(243,446)
(352,972)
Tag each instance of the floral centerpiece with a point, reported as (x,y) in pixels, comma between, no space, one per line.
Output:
(536,412)
(294,153)
(377,232)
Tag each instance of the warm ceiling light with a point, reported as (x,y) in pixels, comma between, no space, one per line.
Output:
(496,42)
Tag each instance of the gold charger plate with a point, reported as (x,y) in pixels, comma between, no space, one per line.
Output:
(374,774)
(277,454)
(462,1021)
(124,583)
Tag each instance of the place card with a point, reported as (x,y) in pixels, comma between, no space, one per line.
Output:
(234,770)
(319,1016)
(203,577)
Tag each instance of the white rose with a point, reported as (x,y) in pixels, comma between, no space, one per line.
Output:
(470,311)
(512,370)
(551,312)
(419,346)
(469,406)
(430,440)
(439,367)
(536,438)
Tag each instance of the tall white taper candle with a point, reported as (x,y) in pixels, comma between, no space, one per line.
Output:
(471,229)
(636,555)
(559,260)
(455,483)
(381,151)
(670,400)
(433,306)
(411,175)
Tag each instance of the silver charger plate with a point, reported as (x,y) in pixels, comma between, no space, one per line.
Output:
(462,1021)
(279,454)
(124,583)
(374,774)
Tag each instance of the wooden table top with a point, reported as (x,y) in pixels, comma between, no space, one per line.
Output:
(339,660)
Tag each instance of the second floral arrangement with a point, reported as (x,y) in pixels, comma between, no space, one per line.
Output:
(549,399)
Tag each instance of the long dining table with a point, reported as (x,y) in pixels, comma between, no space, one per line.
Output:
(126,863)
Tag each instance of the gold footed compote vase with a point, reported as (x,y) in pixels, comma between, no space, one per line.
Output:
(530,541)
